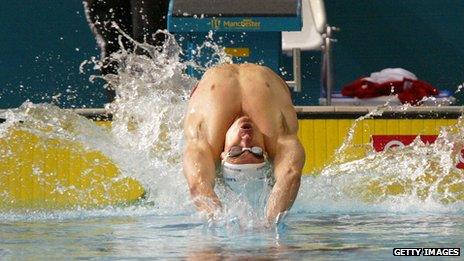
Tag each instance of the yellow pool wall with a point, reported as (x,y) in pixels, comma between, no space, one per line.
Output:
(49,173)
(322,137)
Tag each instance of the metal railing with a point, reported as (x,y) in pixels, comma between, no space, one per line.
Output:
(327,74)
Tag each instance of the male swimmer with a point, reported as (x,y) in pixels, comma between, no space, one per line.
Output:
(240,118)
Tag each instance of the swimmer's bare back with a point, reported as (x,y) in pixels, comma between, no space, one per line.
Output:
(230,91)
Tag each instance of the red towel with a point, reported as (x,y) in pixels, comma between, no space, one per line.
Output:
(408,90)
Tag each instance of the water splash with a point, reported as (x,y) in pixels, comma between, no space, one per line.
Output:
(420,177)
(145,141)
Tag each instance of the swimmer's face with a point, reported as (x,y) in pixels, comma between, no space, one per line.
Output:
(243,133)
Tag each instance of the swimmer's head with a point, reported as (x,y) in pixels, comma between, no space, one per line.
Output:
(243,133)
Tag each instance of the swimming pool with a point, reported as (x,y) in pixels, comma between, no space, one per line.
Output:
(355,209)
(141,233)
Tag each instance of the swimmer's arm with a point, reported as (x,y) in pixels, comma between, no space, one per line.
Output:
(199,170)
(288,165)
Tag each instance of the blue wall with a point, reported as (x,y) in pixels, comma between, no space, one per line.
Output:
(39,40)
(42,45)
(425,37)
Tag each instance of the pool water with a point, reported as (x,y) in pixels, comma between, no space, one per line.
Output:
(306,235)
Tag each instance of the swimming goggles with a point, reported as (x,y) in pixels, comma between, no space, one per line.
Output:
(236,151)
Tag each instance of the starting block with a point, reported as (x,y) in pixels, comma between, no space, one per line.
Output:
(250,30)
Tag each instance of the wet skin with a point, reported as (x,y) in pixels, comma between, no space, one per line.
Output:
(245,105)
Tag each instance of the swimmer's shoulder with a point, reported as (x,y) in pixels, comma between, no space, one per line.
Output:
(244,71)
(240,69)
(246,68)
(223,70)
(237,69)
(271,78)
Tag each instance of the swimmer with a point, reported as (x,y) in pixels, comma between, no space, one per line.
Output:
(239,118)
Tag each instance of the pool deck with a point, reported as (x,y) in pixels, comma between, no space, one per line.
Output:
(353,112)
(328,112)
(366,109)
